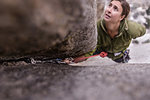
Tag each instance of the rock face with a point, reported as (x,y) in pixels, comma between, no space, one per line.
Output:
(47,27)
(100,8)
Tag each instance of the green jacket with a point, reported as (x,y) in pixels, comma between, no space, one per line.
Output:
(128,30)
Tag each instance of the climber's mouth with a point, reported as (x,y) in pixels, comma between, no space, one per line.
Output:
(107,16)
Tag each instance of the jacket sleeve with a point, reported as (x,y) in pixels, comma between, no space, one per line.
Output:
(135,29)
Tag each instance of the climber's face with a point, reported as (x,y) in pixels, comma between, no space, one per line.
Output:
(113,12)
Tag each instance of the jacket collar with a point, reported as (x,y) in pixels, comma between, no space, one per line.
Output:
(123,26)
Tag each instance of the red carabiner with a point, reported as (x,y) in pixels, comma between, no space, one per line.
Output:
(103,54)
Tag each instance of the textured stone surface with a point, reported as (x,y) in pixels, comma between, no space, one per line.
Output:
(82,37)
(100,8)
(63,82)
(30,26)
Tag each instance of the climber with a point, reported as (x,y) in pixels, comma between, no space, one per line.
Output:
(115,32)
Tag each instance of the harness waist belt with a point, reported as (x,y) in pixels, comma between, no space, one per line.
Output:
(116,54)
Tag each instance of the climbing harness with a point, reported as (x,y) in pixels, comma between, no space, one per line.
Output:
(125,58)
